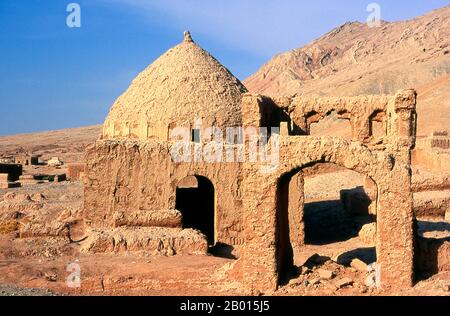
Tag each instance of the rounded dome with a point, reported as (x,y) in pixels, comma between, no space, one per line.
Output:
(182,86)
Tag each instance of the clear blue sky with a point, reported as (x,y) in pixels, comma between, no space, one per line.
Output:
(52,76)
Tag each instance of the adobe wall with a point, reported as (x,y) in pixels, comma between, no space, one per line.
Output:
(386,163)
(128,176)
(432,159)
(131,176)
(394,208)
(75,171)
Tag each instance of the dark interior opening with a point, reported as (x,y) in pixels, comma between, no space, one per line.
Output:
(284,252)
(197,207)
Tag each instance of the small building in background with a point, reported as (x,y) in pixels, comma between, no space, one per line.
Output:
(26,160)
(14,171)
(6,160)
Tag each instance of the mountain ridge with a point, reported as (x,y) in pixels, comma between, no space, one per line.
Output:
(354,59)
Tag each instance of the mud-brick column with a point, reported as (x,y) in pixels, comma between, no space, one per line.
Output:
(251,110)
(259,255)
(395,242)
(395,246)
(296,211)
(360,127)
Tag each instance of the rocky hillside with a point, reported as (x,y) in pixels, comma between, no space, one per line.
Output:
(355,59)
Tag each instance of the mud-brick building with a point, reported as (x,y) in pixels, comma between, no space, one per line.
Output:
(183,164)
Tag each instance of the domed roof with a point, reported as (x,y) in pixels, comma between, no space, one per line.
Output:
(182,86)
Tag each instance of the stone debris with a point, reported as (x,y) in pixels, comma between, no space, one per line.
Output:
(304,270)
(314,281)
(359,265)
(343,283)
(368,234)
(51,276)
(165,241)
(371,280)
(325,274)
(315,260)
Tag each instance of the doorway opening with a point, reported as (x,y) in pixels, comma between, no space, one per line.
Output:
(324,210)
(195,200)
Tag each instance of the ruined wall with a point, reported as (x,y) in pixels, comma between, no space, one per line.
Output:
(360,111)
(371,117)
(296,210)
(26,160)
(75,171)
(433,255)
(388,166)
(432,159)
(132,176)
(394,208)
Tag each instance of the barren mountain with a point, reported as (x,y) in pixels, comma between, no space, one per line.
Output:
(354,59)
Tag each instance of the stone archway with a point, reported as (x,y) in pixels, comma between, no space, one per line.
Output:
(332,216)
(387,169)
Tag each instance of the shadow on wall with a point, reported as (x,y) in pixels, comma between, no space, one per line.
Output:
(432,254)
(367,255)
(425,226)
(223,251)
(328,222)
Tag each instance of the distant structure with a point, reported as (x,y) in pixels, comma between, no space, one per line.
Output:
(9,174)
(55,162)
(26,160)
(433,152)
(139,195)
(7,160)
(14,171)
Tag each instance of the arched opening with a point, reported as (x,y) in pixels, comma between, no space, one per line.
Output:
(328,213)
(334,123)
(195,201)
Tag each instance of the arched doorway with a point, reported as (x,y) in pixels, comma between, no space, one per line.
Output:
(327,210)
(195,201)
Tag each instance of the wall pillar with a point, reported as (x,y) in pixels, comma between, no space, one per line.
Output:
(395,238)
(259,255)
(296,211)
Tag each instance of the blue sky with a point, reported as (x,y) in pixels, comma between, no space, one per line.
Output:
(53,76)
